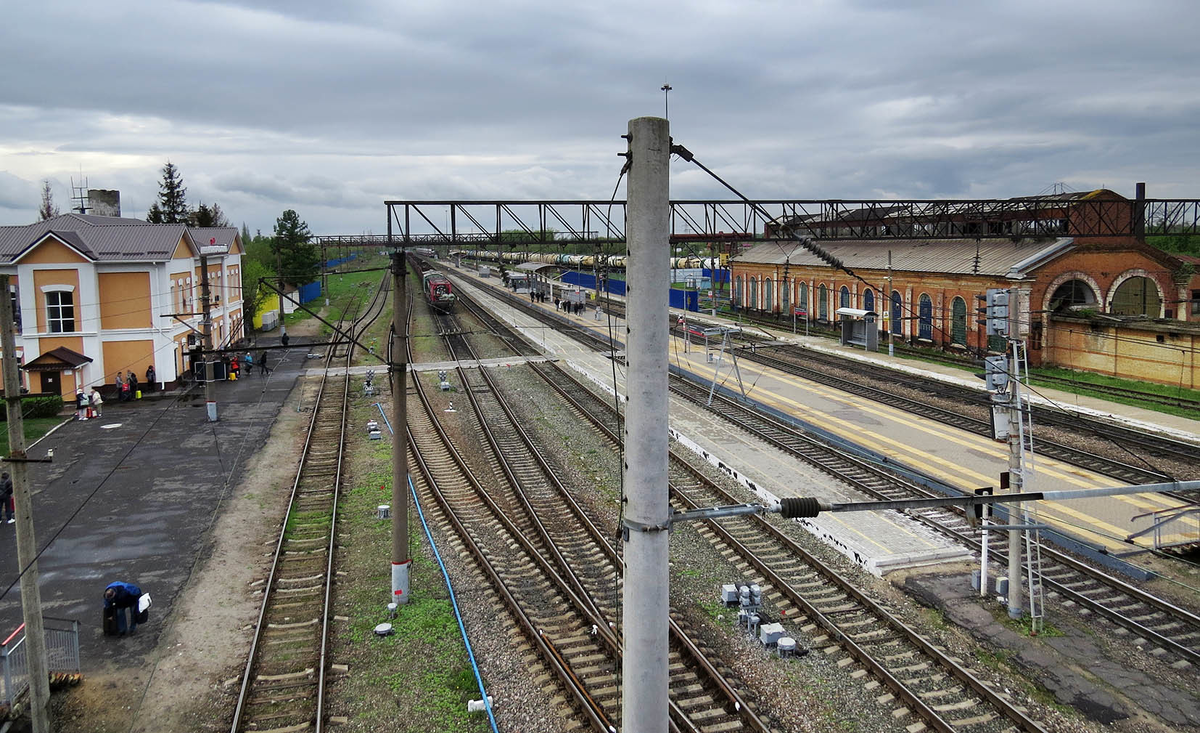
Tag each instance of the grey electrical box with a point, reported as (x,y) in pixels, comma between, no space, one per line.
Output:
(770,634)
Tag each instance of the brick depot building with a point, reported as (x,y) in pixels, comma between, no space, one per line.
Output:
(1065,283)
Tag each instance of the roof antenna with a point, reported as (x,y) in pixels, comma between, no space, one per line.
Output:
(79,194)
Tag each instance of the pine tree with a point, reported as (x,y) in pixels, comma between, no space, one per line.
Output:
(245,235)
(207,216)
(48,210)
(300,261)
(171,207)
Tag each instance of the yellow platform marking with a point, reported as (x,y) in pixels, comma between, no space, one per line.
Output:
(955,474)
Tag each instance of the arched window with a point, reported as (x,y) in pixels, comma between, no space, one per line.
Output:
(958,322)
(768,294)
(737,291)
(897,313)
(844,298)
(925,318)
(1137,296)
(803,300)
(1072,295)
(785,297)
(753,302)
(823,303)
(868,300)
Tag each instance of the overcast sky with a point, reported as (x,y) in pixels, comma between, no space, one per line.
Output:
(332,107)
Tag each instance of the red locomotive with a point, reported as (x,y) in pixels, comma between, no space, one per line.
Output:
(439,291)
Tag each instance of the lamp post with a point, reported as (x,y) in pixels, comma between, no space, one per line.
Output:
(666,90)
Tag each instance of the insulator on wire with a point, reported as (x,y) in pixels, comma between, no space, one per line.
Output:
(799,507)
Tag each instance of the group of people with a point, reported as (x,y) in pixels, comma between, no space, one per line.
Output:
(127,383)
(235,363)
(567,306)
(89,405)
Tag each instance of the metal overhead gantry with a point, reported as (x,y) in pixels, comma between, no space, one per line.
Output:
(599,222)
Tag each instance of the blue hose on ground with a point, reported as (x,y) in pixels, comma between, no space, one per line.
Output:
(453,601)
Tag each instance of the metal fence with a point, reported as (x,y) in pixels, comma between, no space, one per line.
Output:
(62,656)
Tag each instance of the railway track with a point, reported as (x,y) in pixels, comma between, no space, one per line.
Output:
(941,691)
(796,361)
(1158,625)
(554,568)
(283,684)
(1169,627)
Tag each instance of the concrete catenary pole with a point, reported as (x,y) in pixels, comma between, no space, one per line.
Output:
(644,664)
(401,562)
(210,397)
(31,596)
(1016,478)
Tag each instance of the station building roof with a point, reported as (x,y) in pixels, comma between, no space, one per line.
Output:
(111,238)
(986,257)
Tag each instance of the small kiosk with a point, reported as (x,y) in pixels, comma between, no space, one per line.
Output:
(858,328)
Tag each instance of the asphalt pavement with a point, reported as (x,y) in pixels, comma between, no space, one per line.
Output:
(131,497)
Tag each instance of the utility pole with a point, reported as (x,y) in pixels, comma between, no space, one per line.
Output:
(891,326)
(210,399)
(279,272)
(1016,477)
(31,595)
(647,512)
(398,366)
(324,273)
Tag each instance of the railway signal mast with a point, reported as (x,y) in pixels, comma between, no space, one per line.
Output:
(1010,421)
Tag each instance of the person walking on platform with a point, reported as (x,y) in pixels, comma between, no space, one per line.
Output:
(81,404)
(150,378)
(97,403)
(249,361)
(284,339)
(120,382)
(262,362)
(119,596)
(235,367)
(133,385)
(6,495)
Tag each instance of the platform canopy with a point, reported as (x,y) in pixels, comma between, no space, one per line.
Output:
(57,360)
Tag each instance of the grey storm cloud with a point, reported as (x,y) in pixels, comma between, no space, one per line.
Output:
(335,107)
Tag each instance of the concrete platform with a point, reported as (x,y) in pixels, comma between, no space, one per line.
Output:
(131,497)
(949,455)
(879,542)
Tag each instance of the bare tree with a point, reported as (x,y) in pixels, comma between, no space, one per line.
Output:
(48,210)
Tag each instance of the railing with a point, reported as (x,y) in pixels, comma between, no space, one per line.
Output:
(62,657)
(1164,517)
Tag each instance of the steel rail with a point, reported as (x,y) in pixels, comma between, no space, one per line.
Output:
(909,697)
(239,709)
(911,488)
(680,636)
(594,715)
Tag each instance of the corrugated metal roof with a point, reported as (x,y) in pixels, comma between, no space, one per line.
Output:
(109,237)
(220,236)
(993,257)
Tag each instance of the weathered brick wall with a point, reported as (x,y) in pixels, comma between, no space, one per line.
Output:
(1154,352)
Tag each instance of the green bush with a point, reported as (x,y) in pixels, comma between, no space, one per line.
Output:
(37,406)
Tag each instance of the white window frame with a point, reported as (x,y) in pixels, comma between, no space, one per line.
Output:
(58,290)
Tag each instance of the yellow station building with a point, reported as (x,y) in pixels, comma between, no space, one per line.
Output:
(97,295)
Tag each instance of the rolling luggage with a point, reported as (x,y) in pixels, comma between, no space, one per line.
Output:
(110,622)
